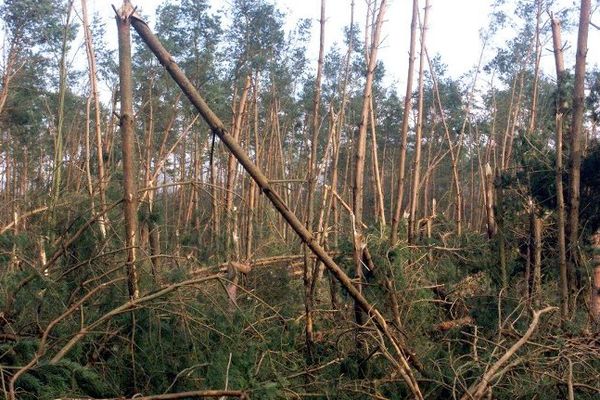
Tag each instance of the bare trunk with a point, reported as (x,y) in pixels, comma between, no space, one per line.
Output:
(536,73)
(412,219)
(595,306)
(560,199)
(359,163)
(89,46)
(499,211)
(376,172)
(537,259)
(127,134)
(58,139)
(230,212)
(404,131)
(576,133)
(489,201)
(312,181)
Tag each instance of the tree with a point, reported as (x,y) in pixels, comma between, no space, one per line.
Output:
(576,132)
(416,177)
(560,201)
(404,133)
(130,195)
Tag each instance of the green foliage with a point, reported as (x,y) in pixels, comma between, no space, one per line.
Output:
(51,381)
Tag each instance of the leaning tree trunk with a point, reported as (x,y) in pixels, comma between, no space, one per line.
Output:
(218,128)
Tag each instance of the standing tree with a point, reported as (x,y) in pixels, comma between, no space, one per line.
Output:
(359,162)
(127,134)
(416,178)
(312,182)
(576,133)
(560,199)
(404,133)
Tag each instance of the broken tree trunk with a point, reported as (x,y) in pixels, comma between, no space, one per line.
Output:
(263,183)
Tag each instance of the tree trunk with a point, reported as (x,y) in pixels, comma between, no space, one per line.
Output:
(536,73)
(412,219)
(376,172)
(312,181)
(560,199)
(219,129)
(89,46)
(489,201)
(536,291)
(62,88)
(576,133)
(595,306)
(127,134)
(230,213)
(404,131)
(359,163)
(499,211)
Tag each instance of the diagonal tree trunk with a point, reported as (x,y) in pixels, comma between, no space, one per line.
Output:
(217,126)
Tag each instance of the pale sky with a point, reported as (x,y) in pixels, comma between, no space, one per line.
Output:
(454,27)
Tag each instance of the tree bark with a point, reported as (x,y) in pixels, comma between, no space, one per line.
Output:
(560,199)
(89,46)
(404,130)
(380,214)
(536,291)
(595,306)
(489,201)
(412,219)
(62,83)
(576,132)
(312,181)
(230,213)
(127,134)
(359,163)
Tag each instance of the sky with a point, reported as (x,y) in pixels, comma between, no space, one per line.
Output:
(454,31)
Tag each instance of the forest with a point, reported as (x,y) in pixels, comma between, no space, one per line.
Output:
(207,203)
